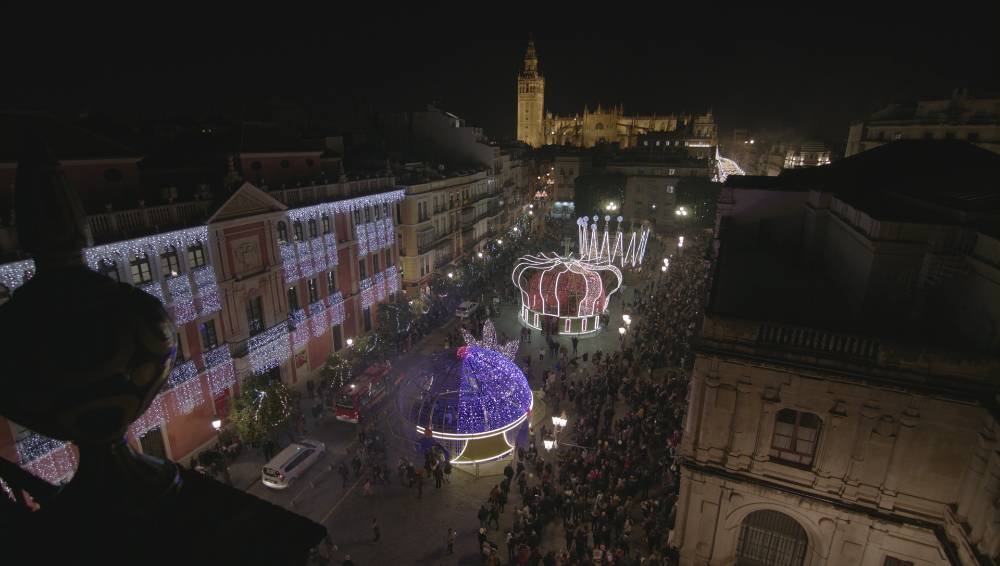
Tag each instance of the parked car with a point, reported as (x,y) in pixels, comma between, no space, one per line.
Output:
(466,309)
(291,463)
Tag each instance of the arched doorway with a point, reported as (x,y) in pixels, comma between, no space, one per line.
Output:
(770,538)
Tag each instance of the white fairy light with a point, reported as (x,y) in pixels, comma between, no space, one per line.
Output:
(333,258)
(208,290)
(336,302)
(306,267)
(181,299)
(13,275)
(154,416)
(318,255)
(151,246)
(47,458)
(379,287)
(221,373)
(319,313)
(289,262)
(392,280)
(361,235)
(269,349)
(184,386)
(300,334)
(367,296)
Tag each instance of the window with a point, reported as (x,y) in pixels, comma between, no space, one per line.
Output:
(375,263)
(309,162)
(110,269)
(362,272)
(331,284)
(928,135)
(357,216)
(255,165)
(367,316)
(312,228)
(795,437)
(949,135)
(670,189)
(881,135)
(313,291)
(972,136)
(327,228)
(170,266)
(293,299)
(893,561)
(772,538)
(338,338)
(368,213)
(196,256)
(897,136)
(255,316)
(141,272)
(388,259)
(284,164)
(298,231)
(113,175)
(282,233)
(208,338)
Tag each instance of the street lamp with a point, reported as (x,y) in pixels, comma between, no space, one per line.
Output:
(680,241)
(450,275)
(663,268)
(480,255)
(217,425)
(621,331)
(627,319)
(499,242)
(549,444)
(350,342)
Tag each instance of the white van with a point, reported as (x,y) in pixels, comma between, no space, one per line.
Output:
(291,463)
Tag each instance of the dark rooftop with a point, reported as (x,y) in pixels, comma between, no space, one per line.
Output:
(64,140)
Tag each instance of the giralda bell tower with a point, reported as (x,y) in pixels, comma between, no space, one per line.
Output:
(530,100)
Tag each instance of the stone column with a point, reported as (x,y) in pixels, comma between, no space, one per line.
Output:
(711,392)
(898,460)
(974,473)
(765,427)
(741,440)
(867,417)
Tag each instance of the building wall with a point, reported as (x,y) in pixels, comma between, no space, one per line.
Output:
(887,459)
(651,198)
(278,170)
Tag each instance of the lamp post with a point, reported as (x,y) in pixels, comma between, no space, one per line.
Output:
(217,425)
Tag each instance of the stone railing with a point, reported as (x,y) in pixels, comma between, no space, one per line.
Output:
(812,339)
(122,224)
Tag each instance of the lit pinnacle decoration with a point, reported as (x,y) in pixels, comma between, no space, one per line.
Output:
(613,247)
(490,342)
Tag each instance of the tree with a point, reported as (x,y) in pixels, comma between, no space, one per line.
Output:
(264,406)
(395,321)
(594,190)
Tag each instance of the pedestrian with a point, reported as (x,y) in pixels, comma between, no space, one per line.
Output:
(576,341)
(368,487)
(541,355)
(438,475)
(451,540)
(495,516)
(483,515)
(375,530)
(420,482)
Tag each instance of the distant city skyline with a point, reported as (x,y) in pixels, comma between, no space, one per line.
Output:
(814,88)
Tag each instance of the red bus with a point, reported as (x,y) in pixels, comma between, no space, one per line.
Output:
(358,397)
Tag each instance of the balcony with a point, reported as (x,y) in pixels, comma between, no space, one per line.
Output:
(124,224)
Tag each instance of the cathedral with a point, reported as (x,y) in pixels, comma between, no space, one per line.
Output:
(603,125)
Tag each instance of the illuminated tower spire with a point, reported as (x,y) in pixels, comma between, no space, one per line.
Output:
(530,100)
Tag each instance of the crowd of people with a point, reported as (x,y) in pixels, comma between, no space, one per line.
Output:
(611,486)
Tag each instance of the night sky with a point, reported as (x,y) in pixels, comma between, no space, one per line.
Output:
(811,84)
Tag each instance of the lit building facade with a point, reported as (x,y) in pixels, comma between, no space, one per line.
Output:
(268,283)
(536,127)
(841,405)
(808,154)
(962,117)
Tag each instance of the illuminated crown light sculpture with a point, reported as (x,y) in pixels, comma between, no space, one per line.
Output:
(625,250)
(570,290)
(469,400)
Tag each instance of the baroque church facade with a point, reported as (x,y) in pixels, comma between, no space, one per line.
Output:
(603,125)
